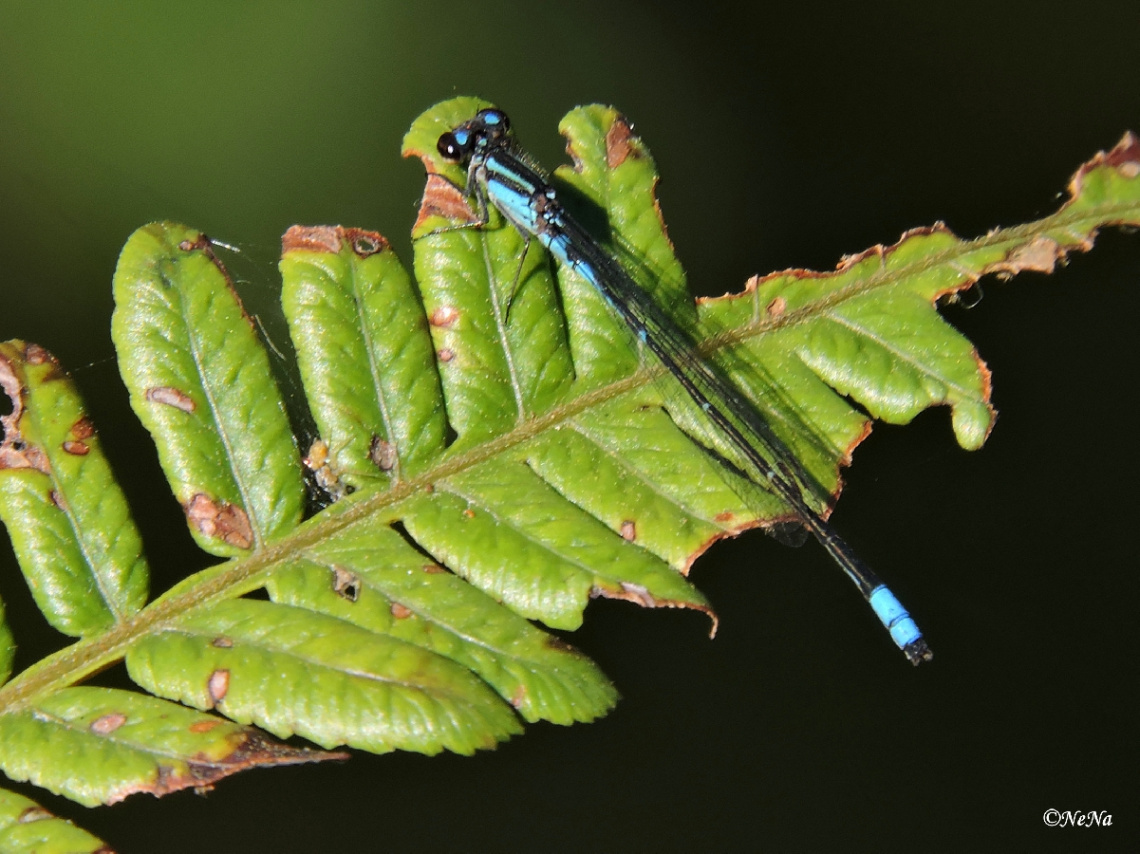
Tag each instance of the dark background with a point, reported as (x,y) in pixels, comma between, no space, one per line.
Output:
(787,136)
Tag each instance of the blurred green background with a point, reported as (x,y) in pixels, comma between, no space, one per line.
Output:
(787,136)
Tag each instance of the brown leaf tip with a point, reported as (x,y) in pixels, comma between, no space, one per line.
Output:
(220,519)
(618,142)
(259,749)
(34,354)
(250,749)
(314,238)
(1124,157)
(443,199)
(330,239)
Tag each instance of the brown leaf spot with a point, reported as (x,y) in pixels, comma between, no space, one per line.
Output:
(725,516)
(469,513)
(11,386)
(617,142)
(777,307)
(433,569)
(443,199)
(222,642)
(221,520)
(107,724)
(218,686)
(15,453)
(400,612)
(202,242)
(518,696)
(444,316)
(77,449)
(346,583)
(171,397)
(365,243)
(57,500)
(382,453)
(446,354)
(629,530)
(1040,255)
(556,643)
(34,814)
(83,428)
(199,727)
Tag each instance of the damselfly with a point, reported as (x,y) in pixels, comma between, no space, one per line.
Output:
(499,174)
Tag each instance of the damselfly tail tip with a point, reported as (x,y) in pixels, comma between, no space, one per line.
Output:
(917,652)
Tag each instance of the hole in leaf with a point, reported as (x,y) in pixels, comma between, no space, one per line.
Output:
(365,246)
(346,584)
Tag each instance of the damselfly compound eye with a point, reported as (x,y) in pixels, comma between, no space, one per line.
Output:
(450,148)
(496,119)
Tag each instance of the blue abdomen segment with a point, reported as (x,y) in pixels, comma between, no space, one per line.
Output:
(894,616)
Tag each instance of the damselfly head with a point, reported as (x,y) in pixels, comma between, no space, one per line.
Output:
(458,143)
